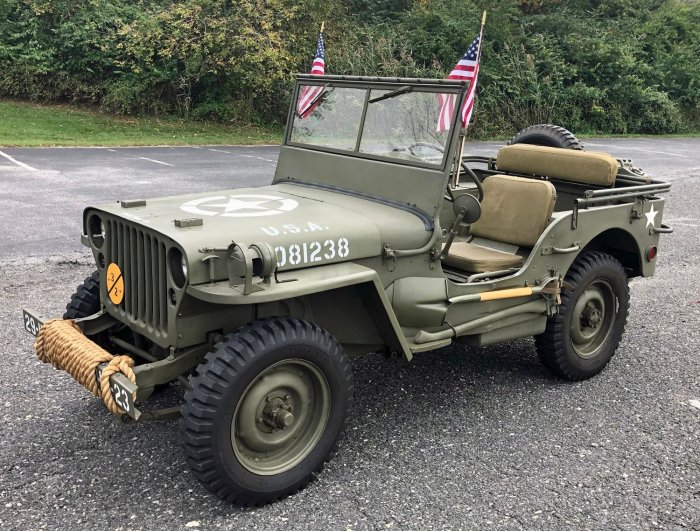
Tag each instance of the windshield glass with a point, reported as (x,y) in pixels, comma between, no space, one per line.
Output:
(328,116)
(402,123)
(404,126)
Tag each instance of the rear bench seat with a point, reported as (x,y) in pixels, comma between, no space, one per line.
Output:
(586,167)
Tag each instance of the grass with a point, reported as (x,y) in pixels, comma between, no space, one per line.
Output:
(31,125)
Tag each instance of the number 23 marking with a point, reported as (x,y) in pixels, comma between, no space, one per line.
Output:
(120,397)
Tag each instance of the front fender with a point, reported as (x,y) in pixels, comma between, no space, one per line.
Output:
(287,284)
(299,283)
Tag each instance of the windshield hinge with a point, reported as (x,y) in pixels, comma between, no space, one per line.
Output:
(389,257)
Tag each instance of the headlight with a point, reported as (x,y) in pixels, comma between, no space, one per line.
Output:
(177,263)
(257,260)
(96,231)
(184,265)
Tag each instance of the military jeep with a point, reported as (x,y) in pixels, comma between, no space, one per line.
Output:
(376,235)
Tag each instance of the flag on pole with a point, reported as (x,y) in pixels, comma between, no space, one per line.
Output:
(466,69)
(307,95)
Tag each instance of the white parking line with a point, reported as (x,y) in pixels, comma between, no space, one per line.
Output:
(671,141)
(637,149)
(14,160)
(241,155)
(154,160)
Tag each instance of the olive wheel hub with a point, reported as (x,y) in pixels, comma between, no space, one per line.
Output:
(278,412)
(593,318)
(280,417)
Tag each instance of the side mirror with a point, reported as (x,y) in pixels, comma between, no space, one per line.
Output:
(471,206)
(468,210)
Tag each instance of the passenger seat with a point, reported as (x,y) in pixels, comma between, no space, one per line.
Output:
(514,211)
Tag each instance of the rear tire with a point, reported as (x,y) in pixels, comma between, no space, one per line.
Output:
(580,341)
(547,135)
(266,410)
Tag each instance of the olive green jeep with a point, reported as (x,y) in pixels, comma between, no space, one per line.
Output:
(376,235)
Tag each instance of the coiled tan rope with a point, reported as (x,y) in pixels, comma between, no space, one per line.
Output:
(62,344)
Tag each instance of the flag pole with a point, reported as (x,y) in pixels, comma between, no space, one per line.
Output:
(324,23)
(464,132)
(481,35)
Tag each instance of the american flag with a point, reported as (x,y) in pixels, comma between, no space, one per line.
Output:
(309,93)
(466,69)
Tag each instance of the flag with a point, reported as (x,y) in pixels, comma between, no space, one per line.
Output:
(308,94)
(466,69)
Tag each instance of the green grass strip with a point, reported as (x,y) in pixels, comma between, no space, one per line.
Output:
(31,125)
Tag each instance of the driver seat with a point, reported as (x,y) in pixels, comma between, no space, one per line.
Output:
(515,212)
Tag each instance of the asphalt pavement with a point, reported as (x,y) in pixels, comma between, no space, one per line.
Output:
(464,438)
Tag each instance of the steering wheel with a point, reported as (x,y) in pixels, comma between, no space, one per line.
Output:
(412,146)
(449,196)
(474,179)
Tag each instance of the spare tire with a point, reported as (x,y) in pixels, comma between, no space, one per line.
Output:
(547,135)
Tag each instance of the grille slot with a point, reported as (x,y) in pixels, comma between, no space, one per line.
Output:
(141,257)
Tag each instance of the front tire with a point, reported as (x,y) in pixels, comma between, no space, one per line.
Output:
(86,299)
(266,410)
(86,302)
(580,341)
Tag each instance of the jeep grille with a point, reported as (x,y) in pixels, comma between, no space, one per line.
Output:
(141,257)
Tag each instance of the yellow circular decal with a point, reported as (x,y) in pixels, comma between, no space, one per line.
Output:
(115,283)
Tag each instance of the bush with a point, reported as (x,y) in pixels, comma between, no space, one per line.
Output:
(615,66)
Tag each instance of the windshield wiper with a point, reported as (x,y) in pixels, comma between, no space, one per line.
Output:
(392,94)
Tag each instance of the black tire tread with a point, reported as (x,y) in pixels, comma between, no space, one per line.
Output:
(547,135)
(86,299)
(550,345)
(228,358)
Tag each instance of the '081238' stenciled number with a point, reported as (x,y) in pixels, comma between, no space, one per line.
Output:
(309,253)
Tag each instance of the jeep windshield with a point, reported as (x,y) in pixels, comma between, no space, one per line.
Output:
(407,123)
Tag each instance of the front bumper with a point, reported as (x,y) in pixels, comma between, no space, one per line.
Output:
(123,391)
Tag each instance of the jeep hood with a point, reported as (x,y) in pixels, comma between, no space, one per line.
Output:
(306,225)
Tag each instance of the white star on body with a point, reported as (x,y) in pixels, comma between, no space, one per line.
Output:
(651,216)
(236,204)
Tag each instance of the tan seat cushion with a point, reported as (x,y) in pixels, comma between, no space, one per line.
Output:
(476,259)
(514,210)
(566,164)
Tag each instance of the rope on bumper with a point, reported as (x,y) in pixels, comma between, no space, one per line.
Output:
(63,344)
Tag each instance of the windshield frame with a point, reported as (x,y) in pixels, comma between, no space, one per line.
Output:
(444,86)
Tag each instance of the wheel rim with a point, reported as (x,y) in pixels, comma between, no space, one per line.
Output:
(593,319)
(280,417)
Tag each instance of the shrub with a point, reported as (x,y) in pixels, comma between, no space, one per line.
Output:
(616,66)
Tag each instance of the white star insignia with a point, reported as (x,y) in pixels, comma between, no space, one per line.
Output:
(651,216)
(236,204)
